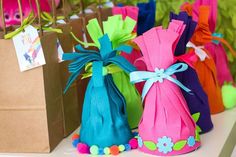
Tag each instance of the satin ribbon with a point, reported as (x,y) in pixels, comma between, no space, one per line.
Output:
(50,29)
(109,69)
(198,51)
(48,18)
(158,76)
(26,22)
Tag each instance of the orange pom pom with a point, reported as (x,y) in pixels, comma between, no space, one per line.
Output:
(75,136)
(114,150)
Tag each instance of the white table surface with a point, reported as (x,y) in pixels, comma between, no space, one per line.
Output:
(219,142)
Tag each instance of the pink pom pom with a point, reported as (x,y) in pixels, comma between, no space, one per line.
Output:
(133,143)
(83,148)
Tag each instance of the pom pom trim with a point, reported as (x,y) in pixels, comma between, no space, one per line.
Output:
(95,150)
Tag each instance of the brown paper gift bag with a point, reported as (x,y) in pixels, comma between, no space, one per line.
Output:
(31,118)
(31,102)
(71,105)
(71,110)
(104,13)
(86,18)
(81,85)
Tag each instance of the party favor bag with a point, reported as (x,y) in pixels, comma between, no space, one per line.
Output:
(122,81)
(215,47)
(77,26)
(132,12)
(104,117)
(205,66)
(197,102)
(166,127)
(71,109)
(146,16)
(218,53)
(31,101)
(72,105)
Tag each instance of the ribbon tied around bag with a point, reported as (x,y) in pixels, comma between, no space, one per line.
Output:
(158,76)
(198,51)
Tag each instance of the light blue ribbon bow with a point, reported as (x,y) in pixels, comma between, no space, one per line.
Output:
(219,35)
(158,76)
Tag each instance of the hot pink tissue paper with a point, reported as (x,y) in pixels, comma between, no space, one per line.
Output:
(216,50)
(166,127)
(132,12)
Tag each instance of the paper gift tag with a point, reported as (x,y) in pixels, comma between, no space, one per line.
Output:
(29,49)
(60,51)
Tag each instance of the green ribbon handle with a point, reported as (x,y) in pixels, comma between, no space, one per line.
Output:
(26,22)
(48,18)
(50,29)
(81,42)
(29,20)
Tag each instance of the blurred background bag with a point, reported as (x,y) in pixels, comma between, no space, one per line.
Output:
(31,113)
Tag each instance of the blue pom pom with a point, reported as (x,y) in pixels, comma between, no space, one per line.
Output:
(75,142)
(127,147)
(100,151)
(135,134)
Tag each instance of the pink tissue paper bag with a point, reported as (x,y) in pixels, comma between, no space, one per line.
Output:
(132,12)
(166,120)
(217,51)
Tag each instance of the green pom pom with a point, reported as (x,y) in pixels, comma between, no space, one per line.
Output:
(229,96)
(94,150)
(106,151)
(121,148)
